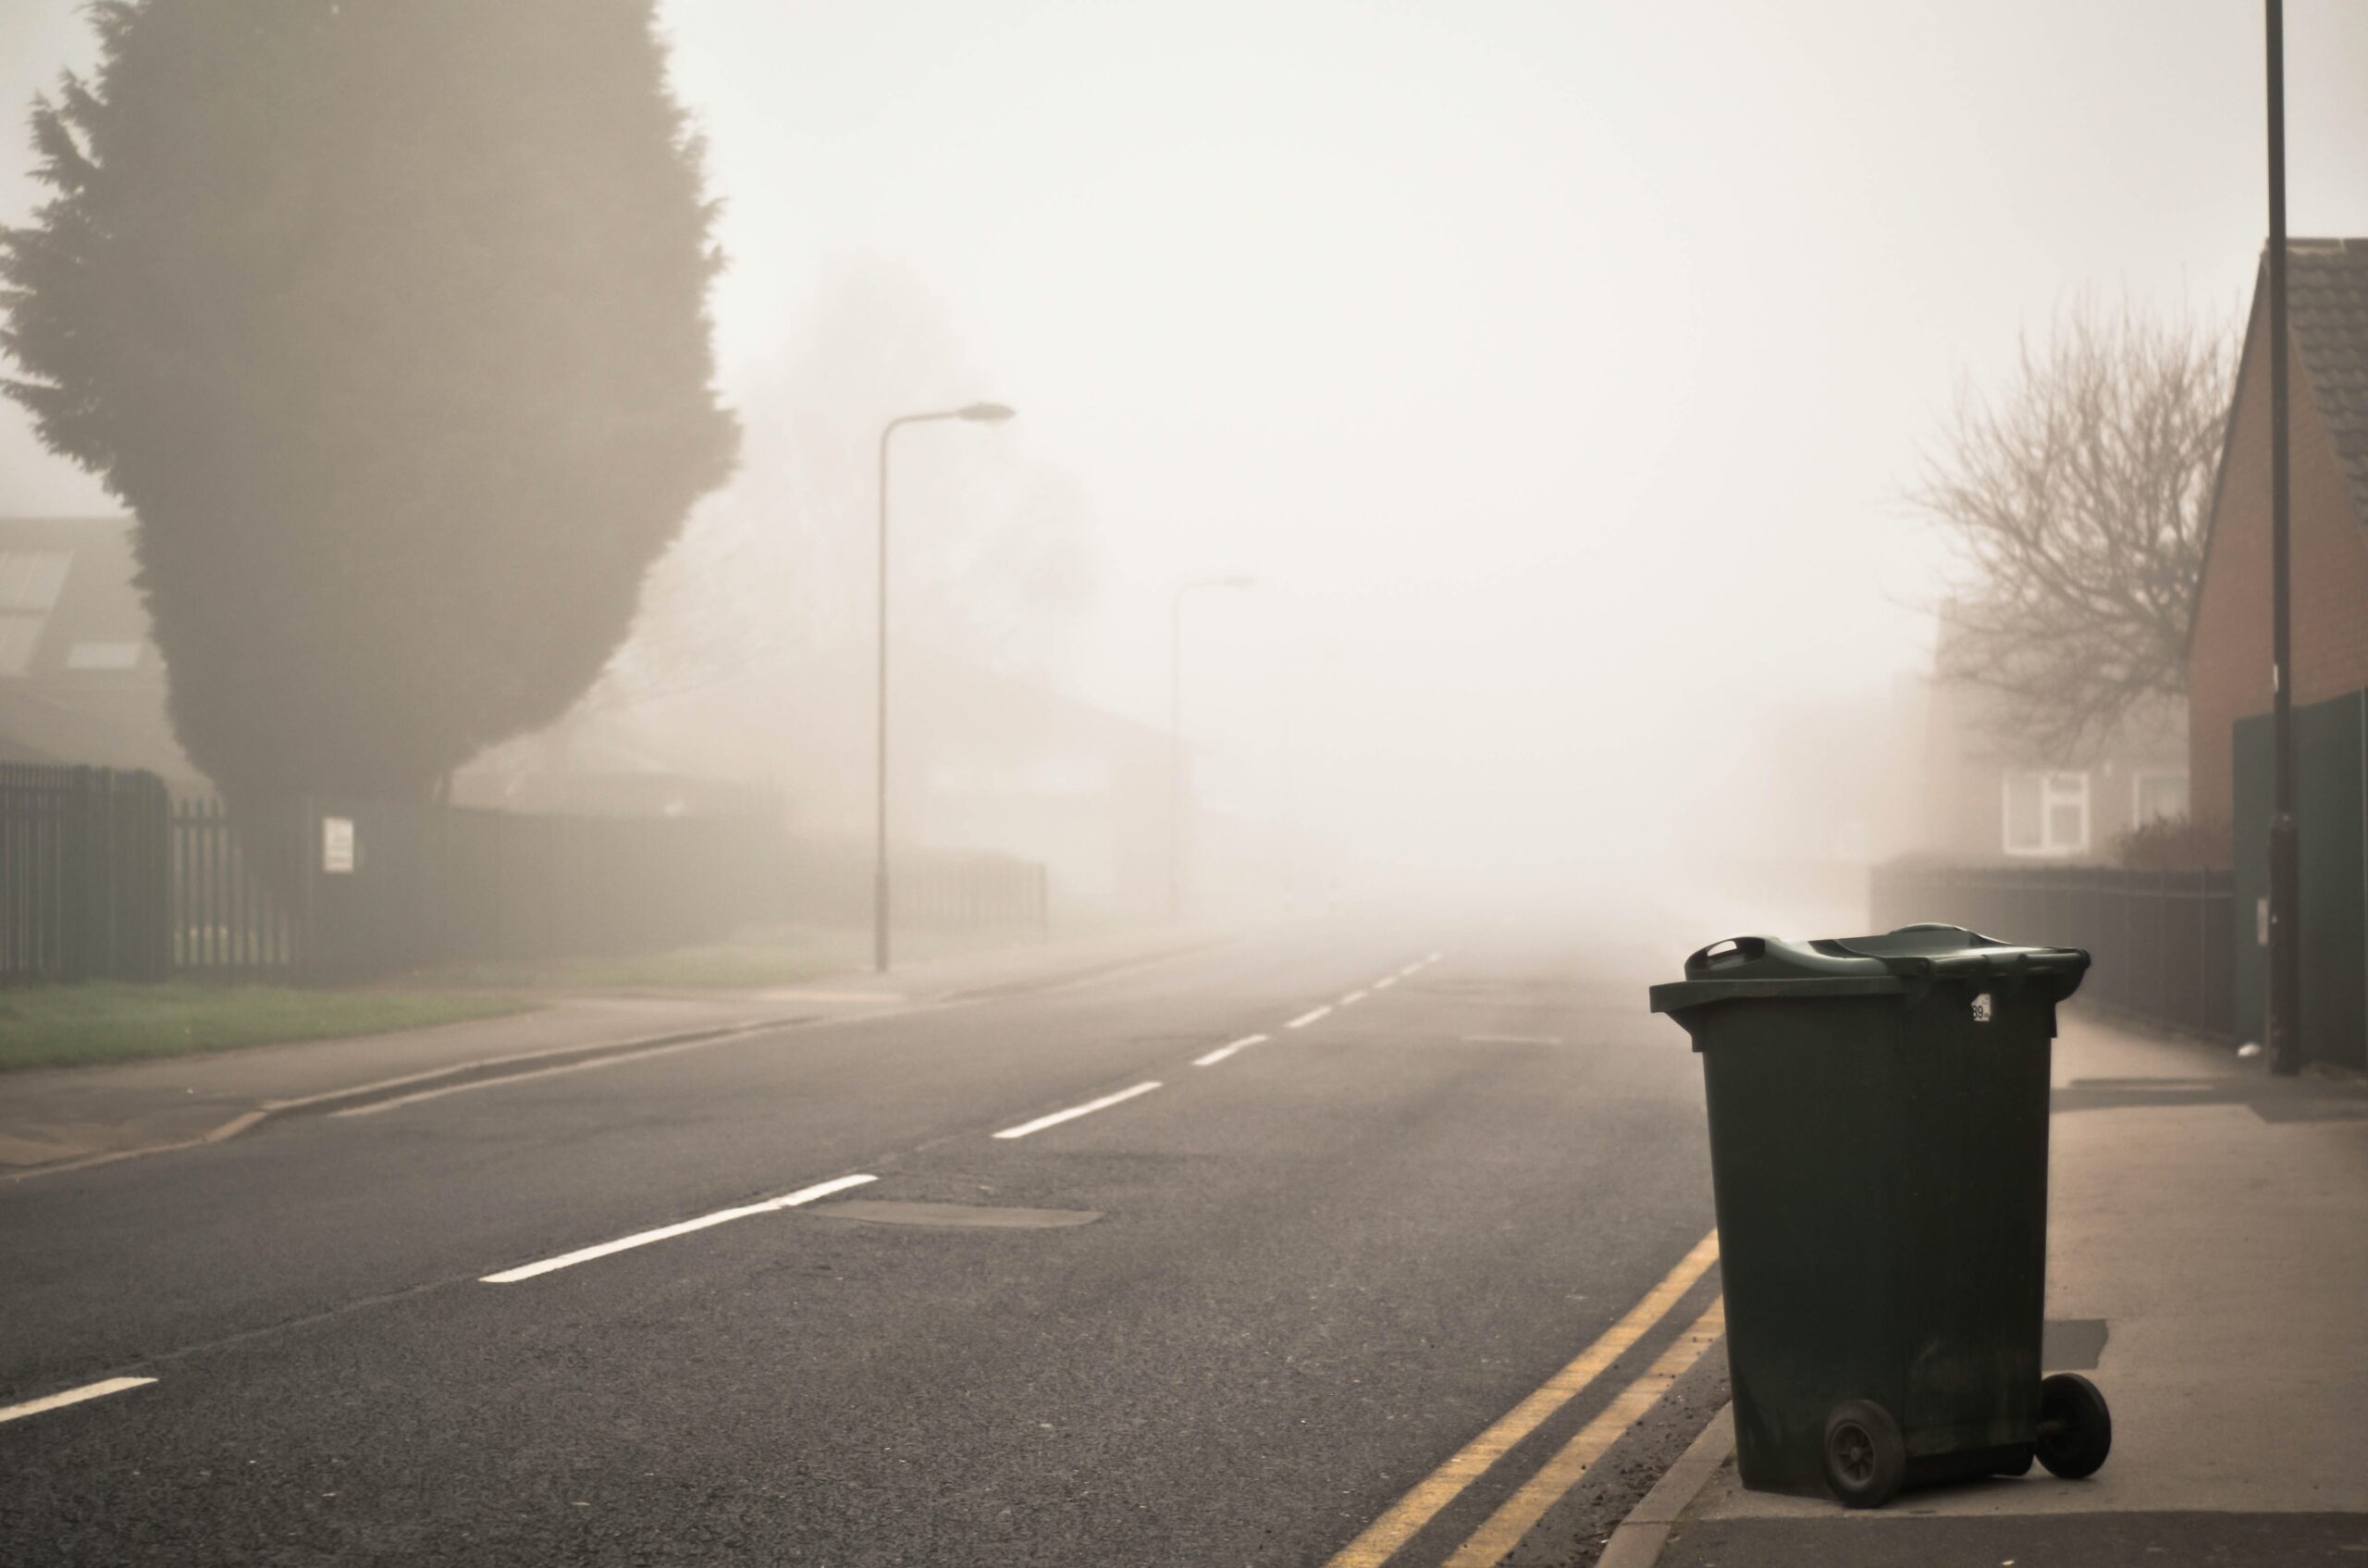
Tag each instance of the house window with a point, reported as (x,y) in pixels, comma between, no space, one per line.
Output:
(2156,797)
(29,579)
(103,656)
(2046,813)
(20,636)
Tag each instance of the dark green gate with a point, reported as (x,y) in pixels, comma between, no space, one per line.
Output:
(2331,805)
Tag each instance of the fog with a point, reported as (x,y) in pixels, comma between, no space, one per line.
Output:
(1554,369)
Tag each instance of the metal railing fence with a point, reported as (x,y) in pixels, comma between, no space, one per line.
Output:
(2161,942)
(107,875)
(83,882)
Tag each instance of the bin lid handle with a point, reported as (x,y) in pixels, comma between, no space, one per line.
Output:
(1726,955)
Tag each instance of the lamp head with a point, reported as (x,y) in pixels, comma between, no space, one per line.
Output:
(984,413)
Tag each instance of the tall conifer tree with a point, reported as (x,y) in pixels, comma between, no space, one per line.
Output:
(387,320)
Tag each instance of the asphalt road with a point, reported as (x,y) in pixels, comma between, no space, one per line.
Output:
(1320,1265)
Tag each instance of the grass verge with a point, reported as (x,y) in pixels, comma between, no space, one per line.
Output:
(754,958)
(47,1026)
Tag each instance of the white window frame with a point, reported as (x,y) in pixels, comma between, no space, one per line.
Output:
(103,653)
(2137,782)
(20,641)
(32,580)
(2055,789)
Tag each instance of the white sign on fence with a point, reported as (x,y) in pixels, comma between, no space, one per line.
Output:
(337,844)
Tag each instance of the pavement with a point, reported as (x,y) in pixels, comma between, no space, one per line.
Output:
(2211,1222)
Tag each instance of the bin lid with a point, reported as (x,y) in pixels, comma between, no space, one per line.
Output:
(1903,962)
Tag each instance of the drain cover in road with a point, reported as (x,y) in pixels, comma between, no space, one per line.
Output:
(882,1210)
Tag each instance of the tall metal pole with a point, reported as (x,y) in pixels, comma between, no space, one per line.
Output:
(1175,756)
(976,413)
(2284,833)
(879,778)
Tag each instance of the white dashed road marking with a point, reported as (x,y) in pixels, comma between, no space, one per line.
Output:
(1222,1051)
(1041,1123)
(793,1200)
(72,1396)
(644,1238)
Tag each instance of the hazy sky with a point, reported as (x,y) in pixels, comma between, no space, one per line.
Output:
(1553,367)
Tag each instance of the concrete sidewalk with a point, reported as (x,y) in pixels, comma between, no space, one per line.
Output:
(2213,1222)
(55,1119)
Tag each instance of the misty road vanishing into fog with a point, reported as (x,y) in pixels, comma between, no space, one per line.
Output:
(1328,1210)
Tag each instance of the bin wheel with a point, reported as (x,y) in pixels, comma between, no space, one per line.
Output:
(1865,1459)
(2075,1427)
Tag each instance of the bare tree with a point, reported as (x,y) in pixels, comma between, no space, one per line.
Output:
(2075,500)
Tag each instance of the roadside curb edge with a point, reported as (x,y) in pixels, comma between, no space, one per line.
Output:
(458,1072)
(1637,1542)
(493,1066)
(1064,980)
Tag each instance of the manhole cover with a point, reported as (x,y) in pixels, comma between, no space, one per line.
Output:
(975,1216)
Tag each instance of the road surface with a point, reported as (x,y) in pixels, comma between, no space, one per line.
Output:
(1291,1250)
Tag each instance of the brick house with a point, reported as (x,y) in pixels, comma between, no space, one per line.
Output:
(1987,798)
(2228,645)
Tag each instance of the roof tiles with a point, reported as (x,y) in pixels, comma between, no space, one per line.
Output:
(2326,309)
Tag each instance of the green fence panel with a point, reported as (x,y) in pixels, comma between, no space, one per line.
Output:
(2331,816)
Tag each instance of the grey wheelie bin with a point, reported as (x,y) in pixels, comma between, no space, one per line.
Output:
(1879,1153)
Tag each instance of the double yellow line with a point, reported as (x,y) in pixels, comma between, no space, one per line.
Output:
(1514,1519)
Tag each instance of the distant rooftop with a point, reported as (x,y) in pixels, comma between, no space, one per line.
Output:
(81,682)
(69,603)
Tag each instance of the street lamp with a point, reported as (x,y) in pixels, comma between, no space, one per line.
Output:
(976,413)
(1176,735)
(2285,1020)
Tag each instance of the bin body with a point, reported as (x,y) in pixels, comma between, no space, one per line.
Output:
(1878,1154)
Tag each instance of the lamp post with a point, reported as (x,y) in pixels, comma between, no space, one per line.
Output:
(2285,1030)
(976,413)
(1176,735)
